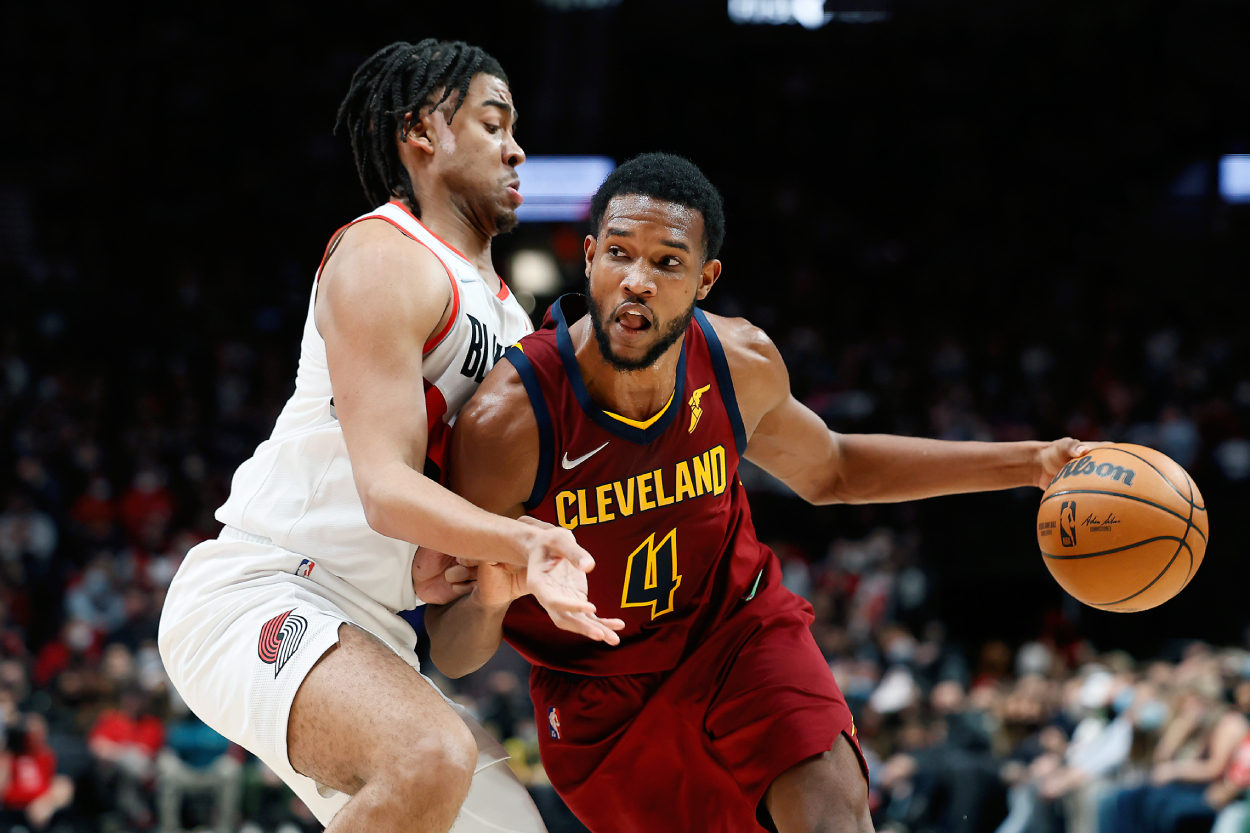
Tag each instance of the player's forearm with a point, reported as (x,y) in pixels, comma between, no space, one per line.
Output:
(401,503)
(463,634)
(880,468)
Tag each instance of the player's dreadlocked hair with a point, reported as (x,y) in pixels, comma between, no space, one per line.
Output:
(400,79)
(670,178)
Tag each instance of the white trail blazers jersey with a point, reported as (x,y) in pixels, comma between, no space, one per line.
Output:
(297,488)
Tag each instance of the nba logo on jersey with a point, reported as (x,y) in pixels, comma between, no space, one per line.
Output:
(553,722)
(305,568)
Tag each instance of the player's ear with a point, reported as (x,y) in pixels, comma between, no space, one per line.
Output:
(418,133)
(709,275)
(589,246)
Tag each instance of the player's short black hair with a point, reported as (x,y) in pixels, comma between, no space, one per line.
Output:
(670,178)
(399,79)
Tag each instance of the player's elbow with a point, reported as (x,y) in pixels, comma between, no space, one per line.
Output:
(832,490)
(451,663)
(829,483)
(374,500)
(449,667)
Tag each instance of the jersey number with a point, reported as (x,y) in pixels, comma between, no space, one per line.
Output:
(651,577)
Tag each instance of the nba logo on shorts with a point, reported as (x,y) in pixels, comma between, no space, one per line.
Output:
(553,722)
(305,568)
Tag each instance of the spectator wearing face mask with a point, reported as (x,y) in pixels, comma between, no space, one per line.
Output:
(1178,786)
(1223,800)
(1100,749)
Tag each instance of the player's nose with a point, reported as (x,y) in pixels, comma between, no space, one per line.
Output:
(637,280)
(513,154)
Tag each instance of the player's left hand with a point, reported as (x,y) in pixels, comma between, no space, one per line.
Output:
(561,588)
(1054,456)
(429,578)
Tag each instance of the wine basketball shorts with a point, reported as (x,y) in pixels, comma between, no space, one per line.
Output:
(694,748)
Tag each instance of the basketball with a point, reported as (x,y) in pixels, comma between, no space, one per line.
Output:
(1123,528)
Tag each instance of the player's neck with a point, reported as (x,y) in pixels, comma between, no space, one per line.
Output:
(637,394)
(458,231)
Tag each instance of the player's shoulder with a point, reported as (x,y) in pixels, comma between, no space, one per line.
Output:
(495,444)
(499,408)
(373,255)
(748,349)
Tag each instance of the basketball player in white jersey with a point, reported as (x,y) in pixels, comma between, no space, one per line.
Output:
(282,634)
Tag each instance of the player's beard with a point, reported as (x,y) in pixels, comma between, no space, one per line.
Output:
(506,220)
(667,337)
(502,218)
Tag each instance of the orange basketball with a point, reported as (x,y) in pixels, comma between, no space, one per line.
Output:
(1123,528)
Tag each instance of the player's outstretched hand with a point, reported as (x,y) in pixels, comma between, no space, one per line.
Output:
(429,577)
(1058,454)
(558,583)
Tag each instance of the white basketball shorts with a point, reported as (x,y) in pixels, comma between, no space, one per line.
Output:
(245,621)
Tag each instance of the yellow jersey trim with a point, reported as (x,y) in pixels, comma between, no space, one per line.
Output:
(647,424)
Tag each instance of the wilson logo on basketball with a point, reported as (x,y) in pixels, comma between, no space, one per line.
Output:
(279,637)
(1088,465)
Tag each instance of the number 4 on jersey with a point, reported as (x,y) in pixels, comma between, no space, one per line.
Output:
(651,577)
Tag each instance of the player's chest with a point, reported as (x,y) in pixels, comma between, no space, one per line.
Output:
(604,483)
(654,517)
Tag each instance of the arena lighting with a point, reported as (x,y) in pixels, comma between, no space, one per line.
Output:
(579,5)
(534,271)
(810,14)
(1235,178)
(559,188)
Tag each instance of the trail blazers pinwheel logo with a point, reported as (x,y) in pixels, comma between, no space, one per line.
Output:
(279,637)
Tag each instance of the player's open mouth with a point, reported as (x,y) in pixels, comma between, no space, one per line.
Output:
(514,194)
(633,317)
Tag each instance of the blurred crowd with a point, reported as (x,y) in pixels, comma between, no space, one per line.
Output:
(1048,737)
(118,442)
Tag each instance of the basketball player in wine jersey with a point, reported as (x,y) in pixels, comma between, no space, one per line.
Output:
(282,634)
(624,420)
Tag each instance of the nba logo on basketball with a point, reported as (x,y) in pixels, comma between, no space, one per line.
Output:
(553,722)
(305,568)
(1067,523)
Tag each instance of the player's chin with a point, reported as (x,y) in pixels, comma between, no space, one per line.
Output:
(628,356)
(506,220)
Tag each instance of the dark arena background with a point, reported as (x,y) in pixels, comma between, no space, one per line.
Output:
(964,220)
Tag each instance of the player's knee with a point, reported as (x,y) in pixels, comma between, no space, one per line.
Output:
(851,814)
(437,767)
(824,794)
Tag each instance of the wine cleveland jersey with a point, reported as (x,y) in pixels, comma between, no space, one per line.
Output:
(657,503)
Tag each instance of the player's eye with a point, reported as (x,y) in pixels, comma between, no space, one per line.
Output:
(670,260)
(616,251)
(491,128)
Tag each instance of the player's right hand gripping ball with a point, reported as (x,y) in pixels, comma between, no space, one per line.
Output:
(1123,528)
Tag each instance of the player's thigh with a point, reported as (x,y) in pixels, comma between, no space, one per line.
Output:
(362,713)
(776,704)
(824,794)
